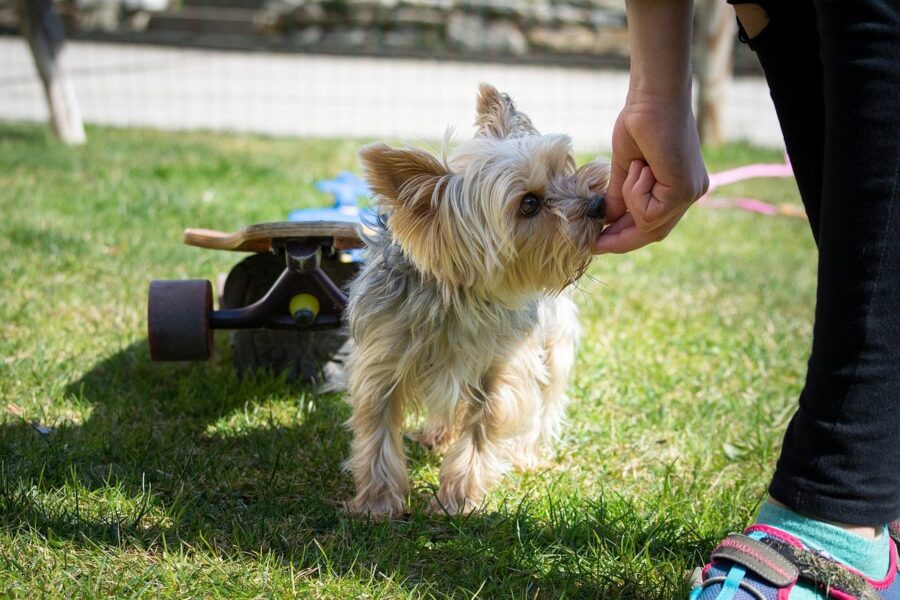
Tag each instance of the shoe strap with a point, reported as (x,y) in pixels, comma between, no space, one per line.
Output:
(781,563)
(757,557)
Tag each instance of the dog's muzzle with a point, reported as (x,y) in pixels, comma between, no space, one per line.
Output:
(596,207)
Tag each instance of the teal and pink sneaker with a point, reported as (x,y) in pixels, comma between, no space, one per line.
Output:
(765,563)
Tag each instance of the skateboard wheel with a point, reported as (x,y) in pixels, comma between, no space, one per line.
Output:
(178,319)
(304,309)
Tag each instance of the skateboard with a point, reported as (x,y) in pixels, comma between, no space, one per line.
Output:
(303,296)
(283,304)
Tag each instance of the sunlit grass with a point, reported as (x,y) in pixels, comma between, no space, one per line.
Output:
(182,481)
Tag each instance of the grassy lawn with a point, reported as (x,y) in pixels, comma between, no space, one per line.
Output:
(179,480)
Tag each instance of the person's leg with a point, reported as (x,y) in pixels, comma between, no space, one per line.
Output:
(841,451)
(785,39)
(839,460)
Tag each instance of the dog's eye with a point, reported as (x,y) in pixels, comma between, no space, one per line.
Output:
(530,205)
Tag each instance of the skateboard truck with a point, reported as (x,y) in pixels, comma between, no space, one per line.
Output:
(283,303)
(181,320)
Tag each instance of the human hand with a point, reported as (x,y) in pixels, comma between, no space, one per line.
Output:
(657,173)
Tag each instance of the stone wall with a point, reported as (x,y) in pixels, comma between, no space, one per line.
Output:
(516,28)
(543,30)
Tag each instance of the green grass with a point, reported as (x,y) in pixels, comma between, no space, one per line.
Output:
(176,480)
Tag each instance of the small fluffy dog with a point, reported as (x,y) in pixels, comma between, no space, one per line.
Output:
(461,310)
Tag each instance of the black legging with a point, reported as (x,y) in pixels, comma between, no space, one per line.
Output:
(833,68)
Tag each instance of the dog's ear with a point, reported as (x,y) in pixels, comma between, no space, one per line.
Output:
(410,184)
(497,115)
(403,178)
(418,190)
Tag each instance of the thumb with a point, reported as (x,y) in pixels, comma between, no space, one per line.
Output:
(615,199)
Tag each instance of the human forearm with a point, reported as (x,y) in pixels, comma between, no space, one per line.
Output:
(660,34)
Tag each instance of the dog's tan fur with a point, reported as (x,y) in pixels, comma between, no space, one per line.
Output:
(461,310)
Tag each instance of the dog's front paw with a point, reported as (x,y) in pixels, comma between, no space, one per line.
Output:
(378,508)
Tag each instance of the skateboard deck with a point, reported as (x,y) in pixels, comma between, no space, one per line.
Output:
(259,238)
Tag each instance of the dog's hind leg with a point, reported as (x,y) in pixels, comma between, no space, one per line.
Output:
(377,458)
(435,435)
(440,386)
(495,415)
(560,337)
(472,463)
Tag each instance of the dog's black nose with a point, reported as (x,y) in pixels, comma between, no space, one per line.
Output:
(596,207)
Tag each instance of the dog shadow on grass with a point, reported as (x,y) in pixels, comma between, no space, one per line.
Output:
(183,445)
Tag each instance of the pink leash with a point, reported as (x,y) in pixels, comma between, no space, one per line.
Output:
(749,204)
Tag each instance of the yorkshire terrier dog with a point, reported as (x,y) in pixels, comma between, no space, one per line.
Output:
(461,311)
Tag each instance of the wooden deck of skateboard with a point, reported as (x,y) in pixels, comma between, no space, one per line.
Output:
(259,238)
